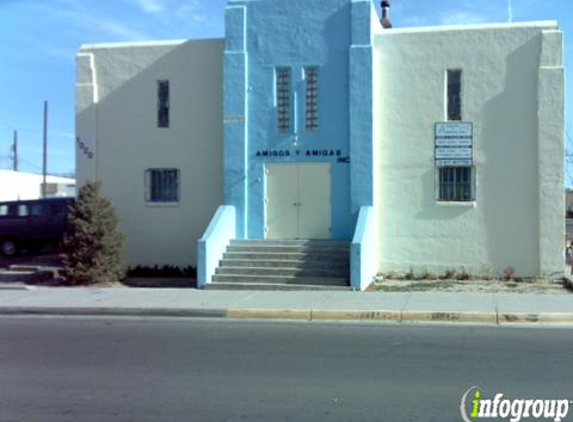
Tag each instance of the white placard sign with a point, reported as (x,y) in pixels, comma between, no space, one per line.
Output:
(454,142)
(457,162)
(453,153)
(454,130)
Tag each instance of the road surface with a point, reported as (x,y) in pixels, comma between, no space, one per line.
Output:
(80,370)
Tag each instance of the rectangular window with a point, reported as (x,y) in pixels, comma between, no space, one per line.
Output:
(8,210)
(162,103)
(455,184)
(37,210)
(23,210)
(454,94)
(162,185)
(283,92)
(311,76)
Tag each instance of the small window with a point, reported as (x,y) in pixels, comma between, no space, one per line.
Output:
(162,185)
(454,94)
(455,184)
(36,210)
(311,76)
(23,210)
(50,189)
(8,210)
(163,103)
(283,93)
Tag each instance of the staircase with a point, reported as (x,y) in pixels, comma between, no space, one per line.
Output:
(27,274)
(284,265)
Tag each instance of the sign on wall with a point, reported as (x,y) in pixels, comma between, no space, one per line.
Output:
(338,155)
(453,130)
(453,144)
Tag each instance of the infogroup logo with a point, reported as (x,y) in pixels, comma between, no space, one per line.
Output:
(513,410)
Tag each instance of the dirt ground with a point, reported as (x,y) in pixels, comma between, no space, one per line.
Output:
(480,286)
(50,258)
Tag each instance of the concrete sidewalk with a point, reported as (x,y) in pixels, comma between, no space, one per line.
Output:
(400,307)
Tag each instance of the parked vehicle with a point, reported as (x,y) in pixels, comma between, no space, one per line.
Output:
(32,224)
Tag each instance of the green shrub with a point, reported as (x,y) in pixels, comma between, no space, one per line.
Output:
(449,275)
(93,249)
(426,275)
(166,271)
(508,274)
(410,275)
(463,275)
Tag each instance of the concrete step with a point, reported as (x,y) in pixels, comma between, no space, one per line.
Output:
(269,279)
(272,286)
(290,272)
(283,256)
(289,249)
(284,265)
(292,242)
(25,276)
(33,267)
(295,263)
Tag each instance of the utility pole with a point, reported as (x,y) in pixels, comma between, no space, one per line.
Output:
(15,151)
(45,158)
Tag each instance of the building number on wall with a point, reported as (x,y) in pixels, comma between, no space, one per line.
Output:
(84,148)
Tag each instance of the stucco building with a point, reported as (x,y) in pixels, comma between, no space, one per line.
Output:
(422,149)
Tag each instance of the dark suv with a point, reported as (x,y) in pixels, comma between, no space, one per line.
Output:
(32,224)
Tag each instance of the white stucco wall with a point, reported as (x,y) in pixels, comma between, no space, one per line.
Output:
(116,105)
(513,95)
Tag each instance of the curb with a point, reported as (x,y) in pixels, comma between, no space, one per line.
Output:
(356,316)
(488,318)
(464,317)
(15,286)
(532,318)
(269,314)
(135,312)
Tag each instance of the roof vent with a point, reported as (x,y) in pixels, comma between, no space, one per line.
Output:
(385,21)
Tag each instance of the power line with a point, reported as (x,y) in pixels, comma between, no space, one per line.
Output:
(38,168)
(51,132)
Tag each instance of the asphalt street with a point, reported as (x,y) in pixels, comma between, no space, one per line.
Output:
(86,369)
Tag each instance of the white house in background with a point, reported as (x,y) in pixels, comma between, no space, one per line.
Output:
(16,185)
(427,149)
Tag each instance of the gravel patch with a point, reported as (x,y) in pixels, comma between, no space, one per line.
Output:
(479,286)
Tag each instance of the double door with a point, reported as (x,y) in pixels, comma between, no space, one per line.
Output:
(298,201)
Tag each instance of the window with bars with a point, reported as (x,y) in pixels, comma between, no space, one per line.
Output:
(162,185)
(163,103)
(454,94)
(283,92)
(455,184)
(311,76)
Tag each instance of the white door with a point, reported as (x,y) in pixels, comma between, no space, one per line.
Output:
(281,201)
(298,201)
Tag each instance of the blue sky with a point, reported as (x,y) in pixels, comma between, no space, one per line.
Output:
(39,40)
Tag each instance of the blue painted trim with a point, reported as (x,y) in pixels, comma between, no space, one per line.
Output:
(336,37)
(212,245)
(363,250)
(236,115)
(361,111)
